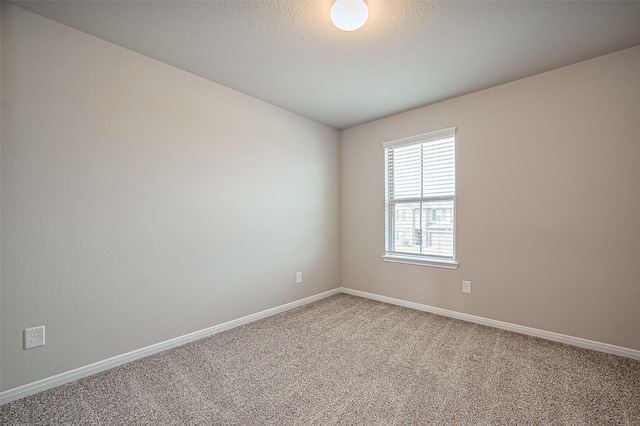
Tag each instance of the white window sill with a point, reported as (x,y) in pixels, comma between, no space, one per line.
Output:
(417,260)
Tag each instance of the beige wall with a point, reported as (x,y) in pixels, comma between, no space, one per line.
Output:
(548,180)
(141,203)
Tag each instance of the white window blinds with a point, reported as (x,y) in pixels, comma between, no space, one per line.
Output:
(420,196)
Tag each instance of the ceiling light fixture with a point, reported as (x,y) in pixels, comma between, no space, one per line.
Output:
(349,15)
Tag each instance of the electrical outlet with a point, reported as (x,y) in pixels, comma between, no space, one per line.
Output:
(298,277)
(466,286)
(33,337)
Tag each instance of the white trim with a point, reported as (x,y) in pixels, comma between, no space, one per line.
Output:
(424,137)
(69,376)
(548,335)
(421,261)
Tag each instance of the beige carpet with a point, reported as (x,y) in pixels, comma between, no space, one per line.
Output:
(348,360)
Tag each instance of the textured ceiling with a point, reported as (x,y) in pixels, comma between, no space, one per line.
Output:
(409,53)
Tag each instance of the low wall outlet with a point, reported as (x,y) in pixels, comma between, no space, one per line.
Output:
(33,337)
(466,286)
(298,277)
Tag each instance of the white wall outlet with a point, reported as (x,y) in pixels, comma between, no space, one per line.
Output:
(466,286)
(33,337)
(298,277)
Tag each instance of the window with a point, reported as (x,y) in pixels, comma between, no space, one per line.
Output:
(420,178)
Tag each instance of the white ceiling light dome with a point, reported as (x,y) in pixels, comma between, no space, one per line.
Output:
(349,15)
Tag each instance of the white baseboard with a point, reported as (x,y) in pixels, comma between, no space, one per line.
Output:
(548,335)
(69,376)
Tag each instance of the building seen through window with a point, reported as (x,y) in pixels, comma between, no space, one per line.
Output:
(424,230)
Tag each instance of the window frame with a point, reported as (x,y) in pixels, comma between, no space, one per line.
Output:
(418,259)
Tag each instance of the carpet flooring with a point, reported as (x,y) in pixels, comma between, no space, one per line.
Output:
(345,360)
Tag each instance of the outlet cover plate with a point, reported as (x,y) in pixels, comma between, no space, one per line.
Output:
(466,286)
(33,337)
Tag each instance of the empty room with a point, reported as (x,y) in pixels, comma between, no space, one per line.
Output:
(320,212)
